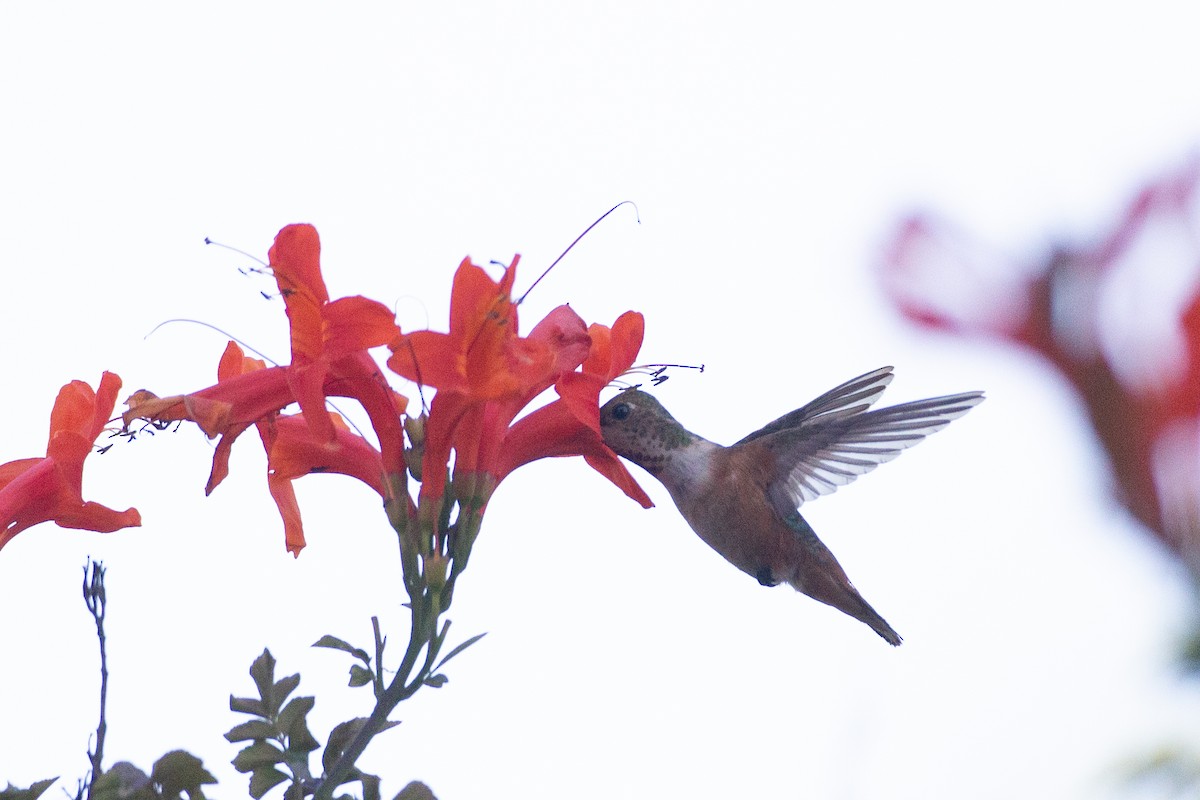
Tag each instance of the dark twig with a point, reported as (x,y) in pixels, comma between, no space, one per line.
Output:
(94,597)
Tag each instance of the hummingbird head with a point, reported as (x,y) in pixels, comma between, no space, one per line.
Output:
(637,427)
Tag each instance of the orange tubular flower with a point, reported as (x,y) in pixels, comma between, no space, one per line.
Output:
(293,451)
(34,490)
(329,343)
(484,371)
(482,357)
(327,337)
(486,374)
(563,333)
(571,425)
(233,365)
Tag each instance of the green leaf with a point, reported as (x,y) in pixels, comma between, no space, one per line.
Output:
(360,676)
(334,643)
(294,712)
(105,787)
(280,691)
(179,771)
(370,784)
(259,754)
(435,646)
(460,648)
(123,781)
(302,742)
(264,780)
(415,791)
(436,681)
(247,705)
(254,729)
(293,721)
(339,739)
(263,673)
(32,793)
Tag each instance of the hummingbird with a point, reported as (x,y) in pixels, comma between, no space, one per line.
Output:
(744,500)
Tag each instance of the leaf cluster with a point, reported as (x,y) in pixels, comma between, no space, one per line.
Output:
(175,776)
(280,742)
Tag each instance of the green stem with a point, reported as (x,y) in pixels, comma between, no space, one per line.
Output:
(470,520)
(425,609)
(427,603)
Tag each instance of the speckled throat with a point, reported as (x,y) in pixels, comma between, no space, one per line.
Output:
(651,445)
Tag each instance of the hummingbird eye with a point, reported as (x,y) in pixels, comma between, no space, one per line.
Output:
(622,411)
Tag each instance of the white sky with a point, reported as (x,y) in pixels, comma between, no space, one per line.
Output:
(769,148)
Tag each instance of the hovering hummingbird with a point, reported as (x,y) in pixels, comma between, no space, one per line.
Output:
(744,500)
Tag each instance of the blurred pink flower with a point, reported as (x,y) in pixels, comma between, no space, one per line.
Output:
(1119,319)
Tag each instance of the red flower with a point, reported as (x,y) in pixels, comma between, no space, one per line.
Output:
(329,342)
(329,339)
(293,452)
(486,374)
(34,490)
(484,371)
(482,357)
(571,425)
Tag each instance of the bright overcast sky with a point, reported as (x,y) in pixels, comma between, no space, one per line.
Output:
(770,148)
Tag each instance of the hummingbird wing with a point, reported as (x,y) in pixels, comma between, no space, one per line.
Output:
(828,450)
(852,397)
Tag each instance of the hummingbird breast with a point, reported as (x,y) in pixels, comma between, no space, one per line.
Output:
(722,495)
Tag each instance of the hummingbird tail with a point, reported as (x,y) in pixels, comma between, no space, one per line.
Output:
(845,598)
(853,604)
(821,577)
(880,626)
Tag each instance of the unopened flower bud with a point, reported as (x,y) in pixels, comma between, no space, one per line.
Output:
(415,428)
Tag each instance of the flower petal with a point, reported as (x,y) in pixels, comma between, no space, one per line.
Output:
(357,323)
(553,431)
(295,259)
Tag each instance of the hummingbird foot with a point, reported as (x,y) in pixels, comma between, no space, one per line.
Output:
(765,577)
